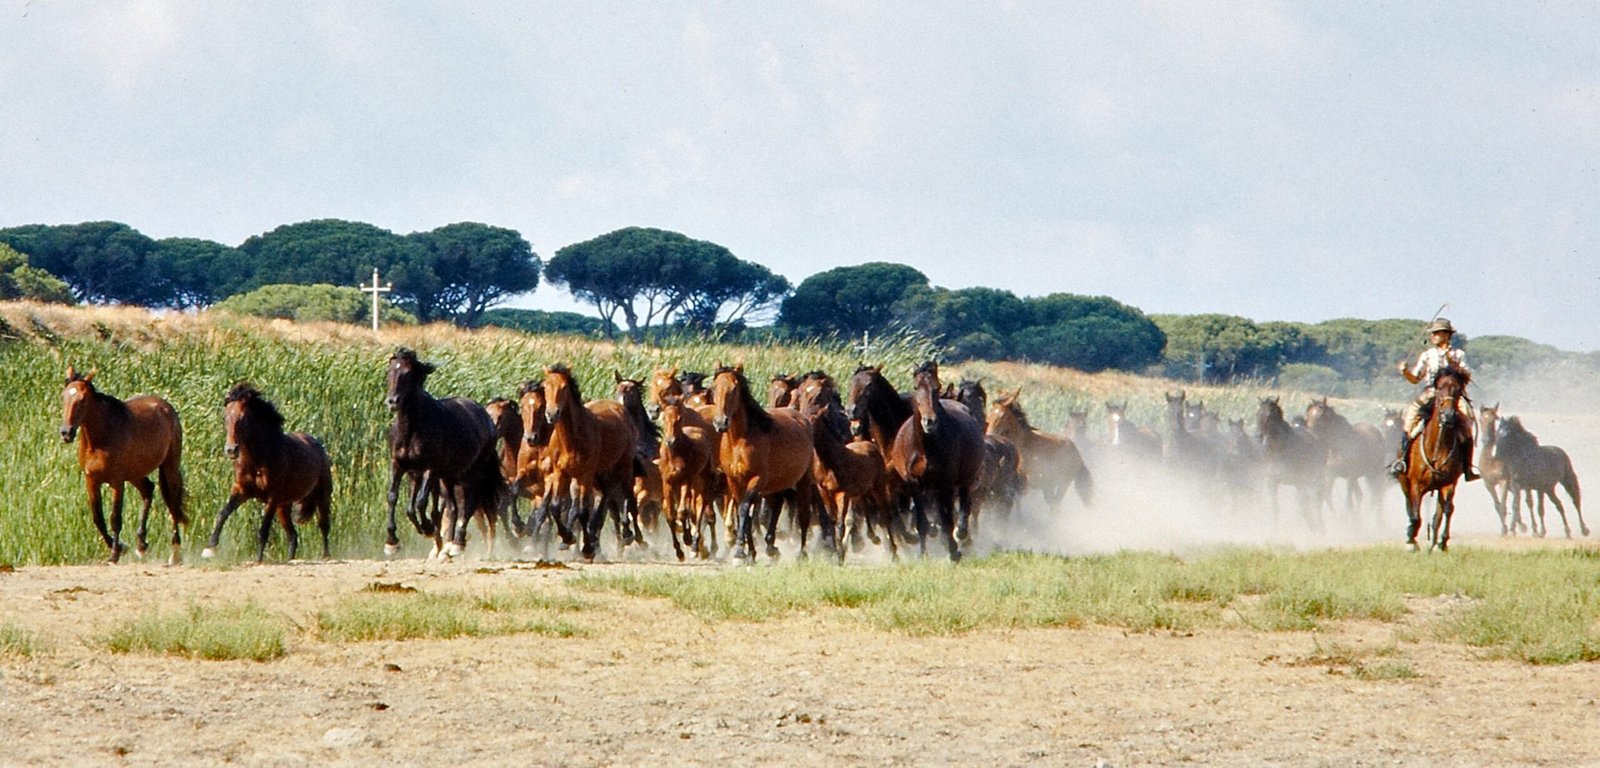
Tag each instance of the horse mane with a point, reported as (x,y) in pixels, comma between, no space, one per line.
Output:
(755,413)
(255,404)
(1015,408)
(526,387)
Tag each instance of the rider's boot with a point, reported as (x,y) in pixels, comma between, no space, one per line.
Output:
(1398,468)
(1469,474)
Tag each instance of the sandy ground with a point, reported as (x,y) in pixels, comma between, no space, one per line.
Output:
(653,685)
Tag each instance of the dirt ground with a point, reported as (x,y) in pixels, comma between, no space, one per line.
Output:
(653,685)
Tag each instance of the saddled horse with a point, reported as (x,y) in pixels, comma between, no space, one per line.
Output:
(592,460)
(446,447)
(690,482)
(279,469)
(938,453)
(765,455)
(1436,460)
(125,442)
(1534,471)
(1356,453)
(1292,457)
(1492,468)
(1051,463)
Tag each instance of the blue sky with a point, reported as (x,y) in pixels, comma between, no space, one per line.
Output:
(1281,161)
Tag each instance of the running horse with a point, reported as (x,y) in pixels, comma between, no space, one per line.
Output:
(281,470)
(765,455)
(1492,468)
(1356,453)
(1294,457)
(1436,460)
(938,452)
(447,448)
(592,460)
(124,442)
(1051,463)
(1535,470)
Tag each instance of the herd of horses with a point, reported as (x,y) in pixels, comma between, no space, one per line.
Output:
(701,454)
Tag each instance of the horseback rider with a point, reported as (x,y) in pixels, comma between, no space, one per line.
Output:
(1434,360)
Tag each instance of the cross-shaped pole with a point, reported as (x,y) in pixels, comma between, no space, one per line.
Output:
(375,290)
(865,347)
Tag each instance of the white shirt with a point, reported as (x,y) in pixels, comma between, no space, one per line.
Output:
(1433,360)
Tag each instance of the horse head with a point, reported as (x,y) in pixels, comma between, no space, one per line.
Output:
(925,396)
(729,393)
(407,376)
(1447,390)
(246,414)
(531,400)
(560,391)
(74,402)
(664,388)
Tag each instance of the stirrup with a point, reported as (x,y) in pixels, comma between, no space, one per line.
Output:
(1398,468)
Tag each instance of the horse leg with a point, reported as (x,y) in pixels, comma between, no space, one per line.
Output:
(96,510)
(947,524)
(290,532)
(1413,516)
(264,531)
(963,532)
(594,521)
(391,543)
(1554,499)
(147,494)
(227,510)
(116,521)
(1440,533)
(773,507)
(919,513)
(744,544)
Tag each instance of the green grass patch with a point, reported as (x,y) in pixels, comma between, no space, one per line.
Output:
(201,632)
(419,615)
(1540,607)
(16,642)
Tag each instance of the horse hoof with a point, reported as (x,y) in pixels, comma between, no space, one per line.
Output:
(390,550)
(207,553)
(176,558)
(773,552)
(453,551)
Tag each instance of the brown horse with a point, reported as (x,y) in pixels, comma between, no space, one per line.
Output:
(1002,483)
(1536,470)
(1190,447)
(591,452)
(1127,438)
(278,469)
(689,481)
(1051,463)
(850,474)
(781,392)
(1356,453)
(765,455)
(533,466)
(1492,468)
(506,416)
(447,448)
(667,384)
(938,452)
(1435,462)
(1292,457)
(124,442)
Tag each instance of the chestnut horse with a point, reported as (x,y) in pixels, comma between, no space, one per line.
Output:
(850,474)
(278,469)
(124,442)
(1436,460)
(766,455)
(938,452)
(592,460)
(647,445)
(781,392)
(1292,457)
(1356,453)
(1051,463)
(446,447)
(1493,469)
(689,481)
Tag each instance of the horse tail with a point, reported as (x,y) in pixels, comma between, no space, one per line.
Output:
(486,485)
(321,496)
(1569,479)
(170,476)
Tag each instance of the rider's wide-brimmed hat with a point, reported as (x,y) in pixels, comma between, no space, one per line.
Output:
(1441,324)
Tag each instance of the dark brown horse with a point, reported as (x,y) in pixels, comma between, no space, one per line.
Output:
(647,447)
(938,453)
(592,459)
(1127,438)
(1051,463)
(447,449)
(1292,457)
(1356,453)
(765,455)
(1002,483)
(1535,470)
(125,442)
(1436,461)
(278,469)
(1190,447)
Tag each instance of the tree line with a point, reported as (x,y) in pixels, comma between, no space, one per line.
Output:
(648,282)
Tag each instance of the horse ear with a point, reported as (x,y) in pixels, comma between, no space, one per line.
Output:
(618,374)
(90,375)
(71,373)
